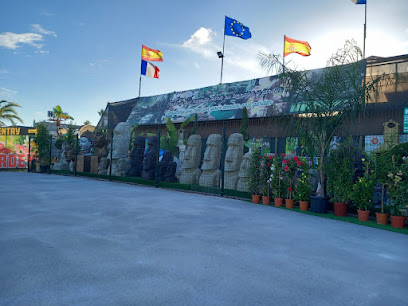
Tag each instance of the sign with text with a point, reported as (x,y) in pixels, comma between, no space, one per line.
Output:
(14,151)
(405,126)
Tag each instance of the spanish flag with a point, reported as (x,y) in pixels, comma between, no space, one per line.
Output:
(296,46)
(151,54)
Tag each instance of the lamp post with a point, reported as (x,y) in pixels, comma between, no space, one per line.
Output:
(221,56)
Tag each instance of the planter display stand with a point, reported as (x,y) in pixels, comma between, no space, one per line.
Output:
(319,204)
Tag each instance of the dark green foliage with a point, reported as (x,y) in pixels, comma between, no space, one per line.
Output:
(254,172)
(42,141)
(340,171)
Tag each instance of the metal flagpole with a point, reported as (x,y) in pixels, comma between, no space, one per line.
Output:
(140,79)
(283,61)
(223,46)
(365,27)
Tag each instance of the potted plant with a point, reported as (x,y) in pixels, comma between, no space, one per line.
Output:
(266,163)
(276,180)
(303,188)
(362,193)
(290,166)
(254,175)
(326,102)
(42,145)
(340,172)
(399,193)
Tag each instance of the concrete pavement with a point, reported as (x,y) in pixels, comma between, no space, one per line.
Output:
(71,240)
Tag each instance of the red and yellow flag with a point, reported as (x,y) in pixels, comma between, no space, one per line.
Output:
(151,54)
(296,46)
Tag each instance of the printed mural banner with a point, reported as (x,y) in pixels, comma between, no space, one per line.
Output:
(263,97)
(14,152)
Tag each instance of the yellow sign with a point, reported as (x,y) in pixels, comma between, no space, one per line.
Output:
(32,131)
(10,131)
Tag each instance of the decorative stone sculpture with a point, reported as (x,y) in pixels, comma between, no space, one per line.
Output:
(170,175)
(243,174)
(180,144)
(136,157)
(233,158)
(103,166)
(190,174)
(211,162)
(86,143)
(100,145)
(121,139)
(164,163)
(150,160)
(63,163)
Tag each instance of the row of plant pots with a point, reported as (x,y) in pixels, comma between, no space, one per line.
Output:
(340,210)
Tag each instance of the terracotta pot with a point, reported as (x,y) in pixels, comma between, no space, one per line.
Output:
(256,198)
(398,221)
(304,205)
(363,215)
(278,202)
(266,200)
(289,203)
(340,209)
(382,218)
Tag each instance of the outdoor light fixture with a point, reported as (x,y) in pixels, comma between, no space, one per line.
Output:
(220,55)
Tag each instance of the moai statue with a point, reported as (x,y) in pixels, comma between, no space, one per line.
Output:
(121,139)
(136,157)
(211,175)
(243,174)
(164,163)
(233,158)
(190,174)
(180,144)
(150,160)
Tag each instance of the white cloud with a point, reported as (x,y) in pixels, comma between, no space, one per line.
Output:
(11,40)
(7,93)
(201,42)
(39,29)
(39,113)
(42,52)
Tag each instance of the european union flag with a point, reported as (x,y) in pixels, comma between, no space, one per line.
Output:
(235,28)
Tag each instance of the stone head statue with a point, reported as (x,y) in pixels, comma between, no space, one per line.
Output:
(212,154)
(192,156)
(121,139)
(69,151)
(86,143)
(243,174)
(149,161)
(245,164)
(235,151)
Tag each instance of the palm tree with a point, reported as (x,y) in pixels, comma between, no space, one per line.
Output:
(86,122)
(101,111)
(59,116)
(7,112)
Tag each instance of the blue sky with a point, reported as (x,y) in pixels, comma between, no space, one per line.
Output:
(81,54)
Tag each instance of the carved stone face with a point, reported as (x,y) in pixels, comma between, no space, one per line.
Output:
(234,153)
(212,154)
(245,164)
(100,140)
(85,144)
(192,155)
(69,153)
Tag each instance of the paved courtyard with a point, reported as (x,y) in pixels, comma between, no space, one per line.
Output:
(78,241)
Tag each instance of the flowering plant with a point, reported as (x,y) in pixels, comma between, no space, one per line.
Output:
(276,178)
(266,164)
(290,168)
(303,188)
